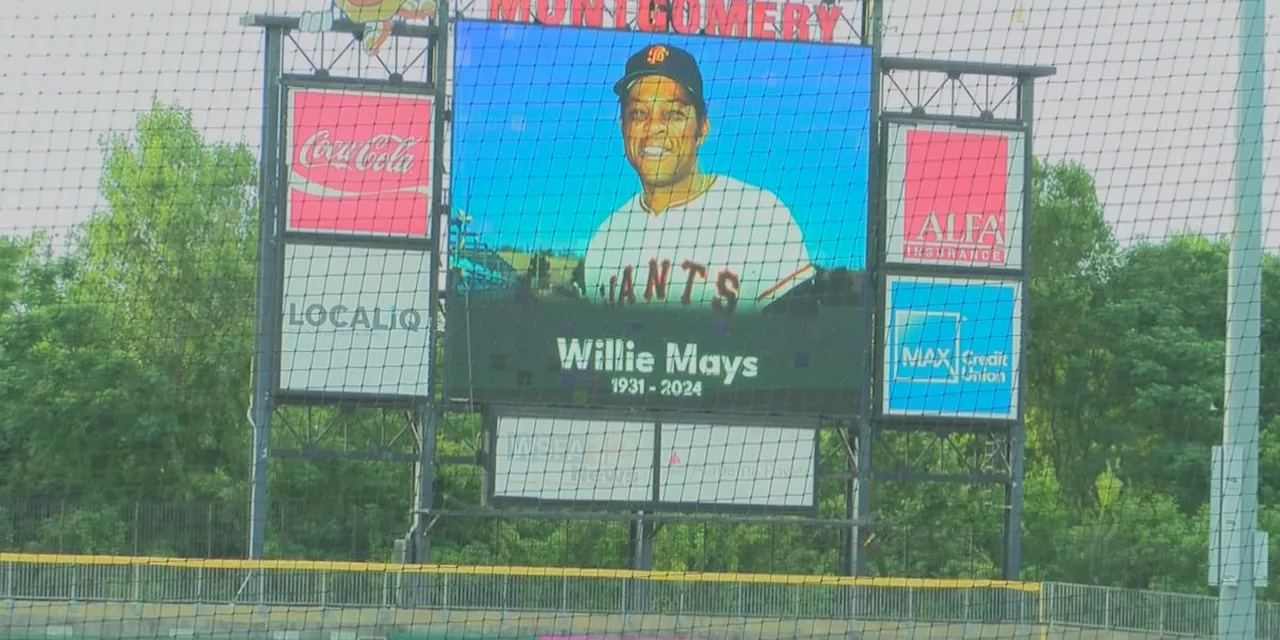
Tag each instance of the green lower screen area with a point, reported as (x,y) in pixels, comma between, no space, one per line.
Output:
(507,349)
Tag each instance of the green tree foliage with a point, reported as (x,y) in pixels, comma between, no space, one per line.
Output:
(125,360)
(1072,256)
(124,378)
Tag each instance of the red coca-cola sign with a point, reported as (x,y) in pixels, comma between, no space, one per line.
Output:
(359,162)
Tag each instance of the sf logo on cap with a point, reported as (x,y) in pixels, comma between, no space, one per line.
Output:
(657,54)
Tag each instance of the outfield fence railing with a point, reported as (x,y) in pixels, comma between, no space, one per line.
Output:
(338,585)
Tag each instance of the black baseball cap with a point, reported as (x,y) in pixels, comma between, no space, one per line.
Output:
(666,61)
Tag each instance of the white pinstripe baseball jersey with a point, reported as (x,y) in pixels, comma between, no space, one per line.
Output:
(734,246)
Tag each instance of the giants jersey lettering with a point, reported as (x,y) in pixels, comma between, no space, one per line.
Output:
(735,247)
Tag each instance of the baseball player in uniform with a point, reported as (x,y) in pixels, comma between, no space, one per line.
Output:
(688,239)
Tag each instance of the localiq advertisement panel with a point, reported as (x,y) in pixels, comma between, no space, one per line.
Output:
(685,226)
(355,320)
(358,162)
(954,195)
(952,347)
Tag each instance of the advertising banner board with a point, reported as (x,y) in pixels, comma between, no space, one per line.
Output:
(732,465)
(355,320)
(952,347)
(646,464)
(826,22)
(954,196)
(573,460)
(658,221)
(359,162)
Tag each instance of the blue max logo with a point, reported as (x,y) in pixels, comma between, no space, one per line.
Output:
(928,342)
(951,347)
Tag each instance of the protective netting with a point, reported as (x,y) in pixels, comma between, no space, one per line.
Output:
(697,318)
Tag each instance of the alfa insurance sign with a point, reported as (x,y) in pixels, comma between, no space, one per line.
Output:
(955,196)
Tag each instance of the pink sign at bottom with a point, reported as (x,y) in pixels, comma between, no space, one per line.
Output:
(608,638)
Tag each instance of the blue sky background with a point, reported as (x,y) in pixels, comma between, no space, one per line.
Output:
(987,316)
(537,154)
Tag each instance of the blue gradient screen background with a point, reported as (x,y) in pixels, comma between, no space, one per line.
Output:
(537,155)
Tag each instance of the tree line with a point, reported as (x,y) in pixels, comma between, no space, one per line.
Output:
(125,370)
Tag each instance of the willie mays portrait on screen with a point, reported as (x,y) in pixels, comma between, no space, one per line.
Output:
(659,219)
(689,238)
(658,171)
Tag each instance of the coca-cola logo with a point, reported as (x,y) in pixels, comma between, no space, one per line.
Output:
(381,153)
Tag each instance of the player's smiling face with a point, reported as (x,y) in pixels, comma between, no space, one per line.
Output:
(661,131)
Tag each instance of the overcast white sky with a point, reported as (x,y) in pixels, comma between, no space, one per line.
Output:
(1143,96)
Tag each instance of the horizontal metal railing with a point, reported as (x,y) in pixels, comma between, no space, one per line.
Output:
(1045,606)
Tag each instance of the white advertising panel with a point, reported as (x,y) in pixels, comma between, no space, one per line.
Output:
(737,465)
(954,196)
(355,320)
(573,459)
